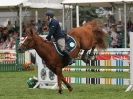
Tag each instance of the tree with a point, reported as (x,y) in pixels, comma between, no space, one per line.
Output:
(85,13)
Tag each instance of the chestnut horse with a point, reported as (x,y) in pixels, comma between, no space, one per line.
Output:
(85,37)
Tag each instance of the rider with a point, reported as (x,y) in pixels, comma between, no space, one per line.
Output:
(58,35)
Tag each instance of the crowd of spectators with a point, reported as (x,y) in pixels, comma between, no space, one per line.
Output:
(8,36)
(41,26)
(10,33)
(116,32)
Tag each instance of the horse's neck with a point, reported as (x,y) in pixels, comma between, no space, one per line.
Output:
(42,48)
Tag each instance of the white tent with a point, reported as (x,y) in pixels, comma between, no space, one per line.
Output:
(101,3)
(53,4)
(12,3)
(44,5)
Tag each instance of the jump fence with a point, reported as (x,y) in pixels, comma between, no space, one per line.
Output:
(11,60)
(118,58)
(110,81)
(94,70)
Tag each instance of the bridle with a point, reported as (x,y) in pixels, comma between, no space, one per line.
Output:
(25,45)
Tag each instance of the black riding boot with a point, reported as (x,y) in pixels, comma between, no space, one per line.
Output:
(66,55)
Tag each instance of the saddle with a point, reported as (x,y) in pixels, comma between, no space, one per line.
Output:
(70,45)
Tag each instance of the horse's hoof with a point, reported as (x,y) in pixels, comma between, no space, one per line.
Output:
(70,89)
(93,58)
(60,91)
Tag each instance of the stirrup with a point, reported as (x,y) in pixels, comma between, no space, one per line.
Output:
(71,61)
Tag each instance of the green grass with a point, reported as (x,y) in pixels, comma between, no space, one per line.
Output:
(101,67)
(13,86)
(97,74)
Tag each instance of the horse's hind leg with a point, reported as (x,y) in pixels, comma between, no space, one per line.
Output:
(59,78)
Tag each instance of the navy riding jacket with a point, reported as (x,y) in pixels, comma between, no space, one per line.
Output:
(55,30)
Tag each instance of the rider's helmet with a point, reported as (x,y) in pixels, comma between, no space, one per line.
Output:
(50,13)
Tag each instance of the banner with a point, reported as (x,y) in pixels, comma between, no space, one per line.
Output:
(7,56)
(112,57)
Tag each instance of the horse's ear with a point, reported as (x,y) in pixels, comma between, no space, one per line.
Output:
(30,31)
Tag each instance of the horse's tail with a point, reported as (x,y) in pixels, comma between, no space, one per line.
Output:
(100,35)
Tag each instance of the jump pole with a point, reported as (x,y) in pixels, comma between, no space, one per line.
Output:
(130,87)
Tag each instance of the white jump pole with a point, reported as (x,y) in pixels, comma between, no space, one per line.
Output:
(125,23)
(130,87)
(63,17)
(77,15)
(20,21)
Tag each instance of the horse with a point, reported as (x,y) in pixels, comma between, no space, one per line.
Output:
(53,60)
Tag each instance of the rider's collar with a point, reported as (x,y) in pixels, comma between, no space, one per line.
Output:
(50,20)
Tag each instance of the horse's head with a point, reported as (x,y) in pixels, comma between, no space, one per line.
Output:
(28,42)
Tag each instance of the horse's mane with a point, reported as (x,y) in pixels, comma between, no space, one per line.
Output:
(43,38)
(32,30)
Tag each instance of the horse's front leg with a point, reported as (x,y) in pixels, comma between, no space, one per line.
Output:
(88,57)
(59,77)
(67,84)
(91,55)
(83,57)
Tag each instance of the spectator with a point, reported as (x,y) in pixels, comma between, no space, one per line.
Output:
(129,23)
(32,23)
(0,34)
(119,27)
(9,27)
(16,26)
(111,19)
(114,36)
(130,30)
(120,32)
(45,28)
(39,27)
(106,29)
(5,34)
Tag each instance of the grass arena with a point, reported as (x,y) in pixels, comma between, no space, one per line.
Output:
(107,82)
(13,86)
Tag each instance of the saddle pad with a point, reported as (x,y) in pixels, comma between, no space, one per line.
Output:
(70,45)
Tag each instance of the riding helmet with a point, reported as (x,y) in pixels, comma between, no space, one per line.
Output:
(50,13)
